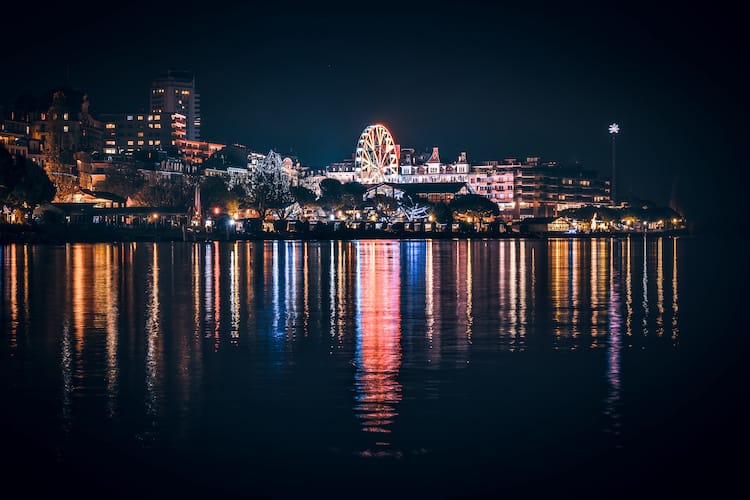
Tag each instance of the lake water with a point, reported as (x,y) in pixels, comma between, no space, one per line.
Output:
(573,367)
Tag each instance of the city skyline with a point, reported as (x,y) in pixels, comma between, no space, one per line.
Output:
(494,82)
(372,249)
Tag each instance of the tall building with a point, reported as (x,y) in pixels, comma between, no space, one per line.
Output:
(174,95)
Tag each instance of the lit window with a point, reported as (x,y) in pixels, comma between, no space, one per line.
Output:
(150,143)
(157,142)
(140,117)
(110,151)
(130,143)
(130,117)
(157,117)
(65,128)
(110,143)
(110,125)
(65,116)
(157,125)
(140,134)
(140,143)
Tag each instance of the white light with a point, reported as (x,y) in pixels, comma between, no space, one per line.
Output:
(614,128)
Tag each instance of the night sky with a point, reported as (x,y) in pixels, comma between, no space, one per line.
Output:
(495,82)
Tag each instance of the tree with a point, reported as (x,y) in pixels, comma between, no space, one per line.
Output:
(23,183)
(474,206)
(11,172)
(302,195)
(330,192)
(34,188)
(442,213)
(125,181)
(351,195)
(65,185)
(338,196)
(588,212)
(386,207)
(267,187)
(162,192)
(215,192)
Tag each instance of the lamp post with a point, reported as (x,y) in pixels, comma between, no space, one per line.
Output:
(614,129)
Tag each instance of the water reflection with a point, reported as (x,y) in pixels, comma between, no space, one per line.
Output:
(675,308)
(111,305)
(628,290)
(153,334)
(234,293)
(660,287)
(151,330)
(644,287)
(66,352)
(521,293)
(378,351)
(612,403)
(429,285)
(469,272)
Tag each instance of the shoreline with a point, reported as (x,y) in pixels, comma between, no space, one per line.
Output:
(27,234)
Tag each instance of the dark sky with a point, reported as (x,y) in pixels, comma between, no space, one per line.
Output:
(531,80)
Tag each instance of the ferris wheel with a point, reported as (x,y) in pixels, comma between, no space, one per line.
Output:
(376,158)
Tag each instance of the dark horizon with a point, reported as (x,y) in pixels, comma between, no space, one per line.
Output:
(494,82)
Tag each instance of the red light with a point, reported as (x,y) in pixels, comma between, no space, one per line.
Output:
(216,210)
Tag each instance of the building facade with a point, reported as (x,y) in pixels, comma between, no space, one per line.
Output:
(174,95)
(57,132)
(125,133)
(521,189)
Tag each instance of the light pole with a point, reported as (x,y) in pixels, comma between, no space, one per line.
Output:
(614,129)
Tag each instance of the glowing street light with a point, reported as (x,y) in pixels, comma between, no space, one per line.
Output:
(614,129)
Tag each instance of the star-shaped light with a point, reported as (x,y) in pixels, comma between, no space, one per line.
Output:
(614,128)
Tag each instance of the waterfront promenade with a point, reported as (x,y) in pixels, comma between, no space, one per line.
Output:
(13,233)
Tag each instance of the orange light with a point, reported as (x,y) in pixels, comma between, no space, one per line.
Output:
(216,210)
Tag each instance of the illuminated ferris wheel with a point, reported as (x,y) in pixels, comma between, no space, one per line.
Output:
(376,158)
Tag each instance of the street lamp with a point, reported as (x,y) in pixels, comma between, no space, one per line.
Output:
(614,129)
